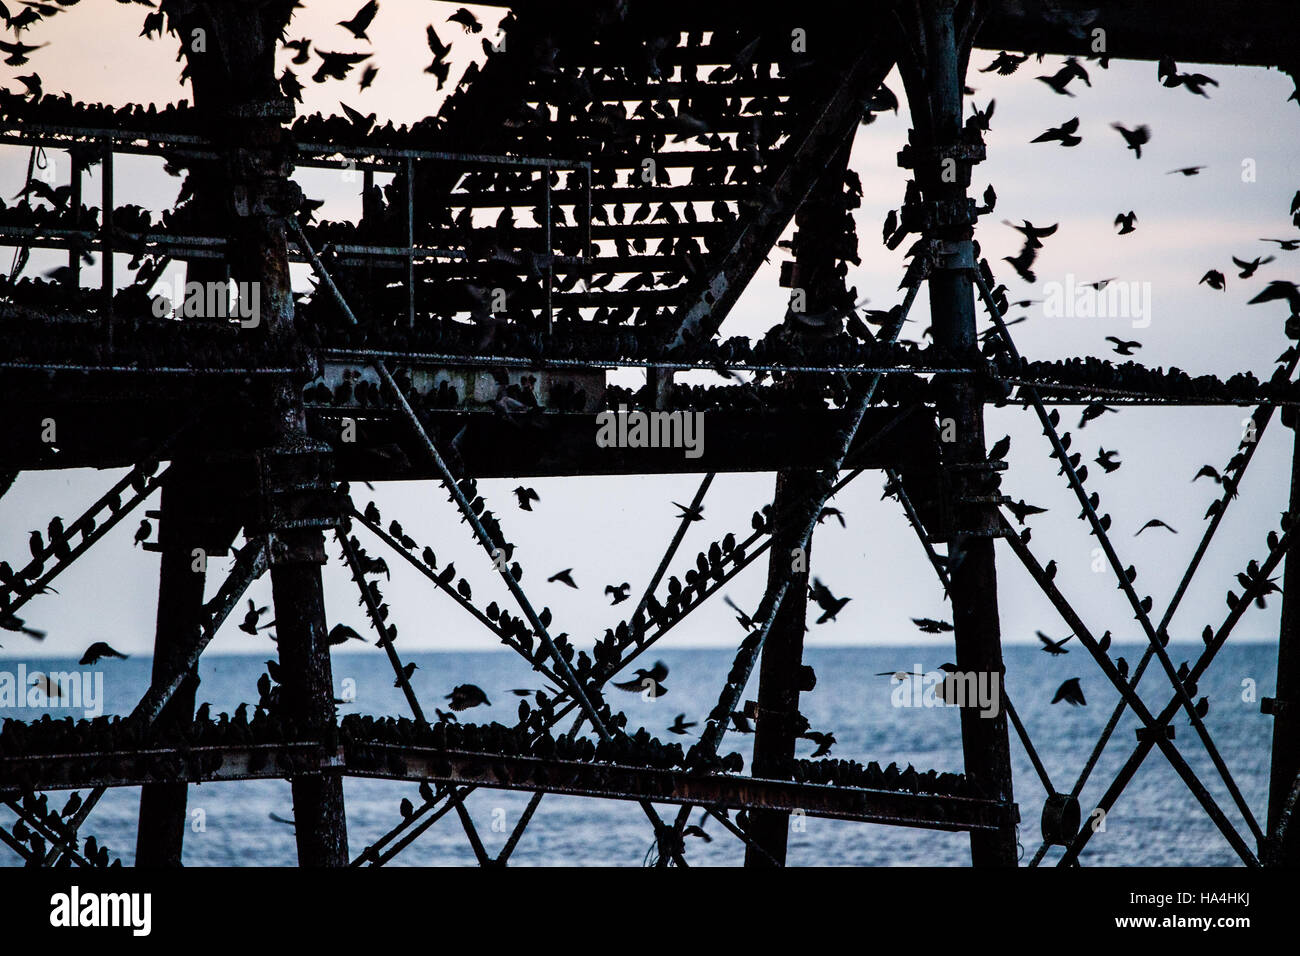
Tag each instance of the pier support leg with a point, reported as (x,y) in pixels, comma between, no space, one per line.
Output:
(942,161)
(781,675)
(1286,717)
(161,831)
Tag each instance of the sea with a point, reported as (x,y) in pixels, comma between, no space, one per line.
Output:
(1156,821)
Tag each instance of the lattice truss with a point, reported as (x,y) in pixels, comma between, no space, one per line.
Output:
(441,270)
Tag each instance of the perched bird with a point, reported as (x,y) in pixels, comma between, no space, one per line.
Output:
(526,497)
(361,20)
(1135,138)
(1071,693)
(564,577)
(650,681)
(619,593)
(97,652)
(465,696)
(1050,570)
(1107,460)
(1154,523)
(1122,346)
(681,725)
(404,677)
(142,533)
(1127,222)
(1055,648)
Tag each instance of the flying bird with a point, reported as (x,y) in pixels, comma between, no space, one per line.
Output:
(1071,693)
(467,21)
(361,20)
(1054,648)
(1154,523)
(1107,460)
(828,602)
(619,593)
(465,696)
(97,652)
(931,626)
(1186,170)
(526,497)
(1135,138)
(1127,222)
(1065,134)
(648,681)
(563,577)
(1248,268)
(681,725)
(1122,346)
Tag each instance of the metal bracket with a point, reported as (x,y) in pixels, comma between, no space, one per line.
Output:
(1275,707)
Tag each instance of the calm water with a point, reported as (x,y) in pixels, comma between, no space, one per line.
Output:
(1156,822)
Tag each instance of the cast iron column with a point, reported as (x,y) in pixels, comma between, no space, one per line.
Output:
(941,38)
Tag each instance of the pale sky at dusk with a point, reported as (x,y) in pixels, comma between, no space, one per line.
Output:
(611,530)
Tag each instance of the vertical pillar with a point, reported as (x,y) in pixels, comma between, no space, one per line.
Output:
(781,674)
(233,72)
(942,168)
(1286,706)
(161,832)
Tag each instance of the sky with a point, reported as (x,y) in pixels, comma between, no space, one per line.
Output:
(611,530)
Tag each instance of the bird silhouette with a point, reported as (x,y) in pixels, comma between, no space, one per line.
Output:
(1134,138)
(828,602)
(1248,268)
(361,20)
(1071,693)
(526,497)
(1065,134)
(1127,222)
(97,652)
(1154,523)
(1054,648)
(618,593)
(467,20)
(1122,346)
(465,696)
(1107,460)
(646,681)
(681,725)
(563,577)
